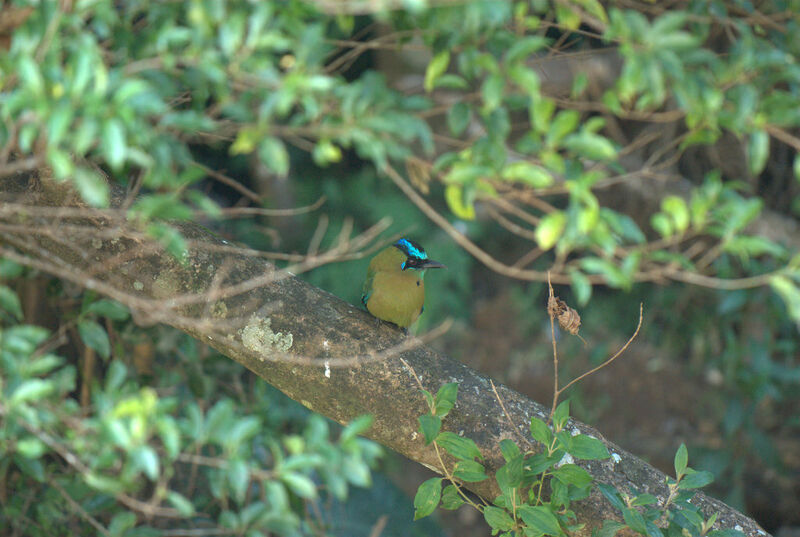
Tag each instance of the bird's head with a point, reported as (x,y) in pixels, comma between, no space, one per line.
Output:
(416,257)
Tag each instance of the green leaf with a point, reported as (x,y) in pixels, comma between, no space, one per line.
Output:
(272,153)
(757,152)
(695,480)
(522,48)
(470,471)
(610,528)
(31,447)
(458,446)
(245,141)
(623,226)
(9,269)
(585,447)
(458,117)
(567,16)
(681,460)
(498,519)
(541,432)
(146,459)
(113,143)
(614,276)
(300,484)
(429,426)
(110,485)
(540,519)
(163,206)
(92,187)
(428,398)
(453,194)
(112,309)
(678,212)
(611,494)
(93,336)
(492,92)
(303,461)
(445,399)
(435,69)
(644,499)
(662,224)
(358,426)
(509,476)
(238,476)
(527,173)
(427,497)
(325,152)
(181,503)
(561,415)
(634,520)
(581,287)
(746,247)
(58,123)
(591,146)
(550,229)
(572,474)
(121,522)
(9,301)
(30,75)
(509,449)
(790,294)
(741,213)
(451,81)
(451,499)
(528,81)
(594,8)
(31,467)
(170,238)
(564,123)
(115,376)
(357,471)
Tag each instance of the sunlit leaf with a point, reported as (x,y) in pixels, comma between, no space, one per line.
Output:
(550,229)
(436,67)
(454,195)
(757,152)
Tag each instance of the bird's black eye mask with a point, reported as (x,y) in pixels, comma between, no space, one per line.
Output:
(412,263)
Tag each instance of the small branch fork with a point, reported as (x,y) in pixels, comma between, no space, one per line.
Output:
(570,321)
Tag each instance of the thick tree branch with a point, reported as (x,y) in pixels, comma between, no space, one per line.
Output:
(291,334)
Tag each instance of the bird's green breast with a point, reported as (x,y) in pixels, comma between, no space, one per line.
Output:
(397,297)
(393,294)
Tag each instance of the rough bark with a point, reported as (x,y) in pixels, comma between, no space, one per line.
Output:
(285,330)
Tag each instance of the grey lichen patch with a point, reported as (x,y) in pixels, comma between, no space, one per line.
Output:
(166,284)
(138,285)
(219,309)
(259,337)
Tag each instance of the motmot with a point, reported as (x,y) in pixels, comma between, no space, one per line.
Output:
(394,290)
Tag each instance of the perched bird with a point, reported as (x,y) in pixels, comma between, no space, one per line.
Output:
(394,290)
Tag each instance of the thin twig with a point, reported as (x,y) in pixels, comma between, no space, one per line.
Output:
(556,392)
(614,357)
(519,436)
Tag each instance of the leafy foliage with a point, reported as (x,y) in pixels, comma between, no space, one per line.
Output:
(537,488)
(145,91)
(149,455)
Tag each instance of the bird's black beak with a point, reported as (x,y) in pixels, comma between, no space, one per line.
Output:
(430,263)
